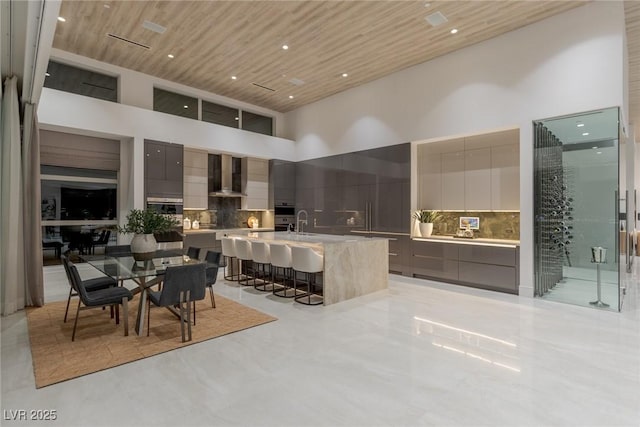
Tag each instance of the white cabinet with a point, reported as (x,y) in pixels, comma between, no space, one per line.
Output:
(195,179)
(477,179)
(453,180)
(429,177)
(505,177)
(255,183)
(478,172)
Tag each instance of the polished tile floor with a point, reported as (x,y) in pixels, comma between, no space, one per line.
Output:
(421,353)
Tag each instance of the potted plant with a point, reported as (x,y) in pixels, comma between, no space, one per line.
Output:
(143,223)
(426,219)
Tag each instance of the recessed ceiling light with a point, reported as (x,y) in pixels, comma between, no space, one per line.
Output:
(237,118)
(47,74)
(186,106)
(585,133)
(594,147)
(285,47)
(598,152)
(453,31)
(580,125)
(171,56)
(345,75)
(290,96)
(234,78)
(61,19)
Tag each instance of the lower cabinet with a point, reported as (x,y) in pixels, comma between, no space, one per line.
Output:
(487,267)
(398,251)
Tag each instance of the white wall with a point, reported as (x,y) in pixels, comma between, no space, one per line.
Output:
(67,112)
(569,63)
(136,89)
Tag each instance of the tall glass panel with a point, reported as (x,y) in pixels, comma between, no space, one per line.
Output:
(577,209)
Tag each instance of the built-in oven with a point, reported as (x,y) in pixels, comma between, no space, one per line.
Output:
(166,206)
(284,215)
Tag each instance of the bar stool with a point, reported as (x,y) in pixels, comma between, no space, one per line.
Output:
(305,260)
(281,258)
(261,258)
(245,258)
(229,253)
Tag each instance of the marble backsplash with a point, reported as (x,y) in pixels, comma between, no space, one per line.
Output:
(223,212)
(493,225)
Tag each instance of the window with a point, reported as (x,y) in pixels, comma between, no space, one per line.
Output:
(220,114)
(174,103)
(82,82)
(257,123)
(79,209)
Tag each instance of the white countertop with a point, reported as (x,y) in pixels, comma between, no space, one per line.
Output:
(476,241)
(199,231)
(311,238)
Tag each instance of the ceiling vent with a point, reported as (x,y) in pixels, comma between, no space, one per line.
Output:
(297,82)
(436,19)
(128,41)
(263,87)
(152,26)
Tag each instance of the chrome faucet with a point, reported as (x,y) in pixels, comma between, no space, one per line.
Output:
(301,222)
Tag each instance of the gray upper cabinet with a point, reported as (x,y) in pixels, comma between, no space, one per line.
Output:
(364,191)
(163,168)
(282,182)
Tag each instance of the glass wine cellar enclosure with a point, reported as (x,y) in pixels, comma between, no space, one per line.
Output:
(577,209)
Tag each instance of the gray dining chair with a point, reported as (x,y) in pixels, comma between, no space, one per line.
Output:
(90,284)
(113,296)
(117,250)
(193,253)
(213,259)
(183,286)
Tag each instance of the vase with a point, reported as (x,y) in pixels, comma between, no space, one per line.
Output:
(143,246)
(426,228)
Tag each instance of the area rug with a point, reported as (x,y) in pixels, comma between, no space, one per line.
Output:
(101,344)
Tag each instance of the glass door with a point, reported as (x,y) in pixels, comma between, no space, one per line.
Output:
(576,206)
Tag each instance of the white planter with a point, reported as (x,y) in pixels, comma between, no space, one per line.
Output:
(426,228)
(143,246)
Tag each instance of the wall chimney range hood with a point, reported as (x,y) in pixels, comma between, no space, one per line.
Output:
(226,174)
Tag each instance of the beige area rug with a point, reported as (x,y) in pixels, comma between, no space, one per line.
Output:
(101,344)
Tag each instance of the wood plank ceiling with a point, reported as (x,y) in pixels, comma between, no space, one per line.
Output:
(632,18)
(214,40)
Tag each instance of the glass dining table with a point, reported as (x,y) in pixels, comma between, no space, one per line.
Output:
(144,273)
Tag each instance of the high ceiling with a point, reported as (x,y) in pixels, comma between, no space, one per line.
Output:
(632,18)
(211,41)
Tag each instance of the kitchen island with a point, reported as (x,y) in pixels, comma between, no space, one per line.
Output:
(353,265)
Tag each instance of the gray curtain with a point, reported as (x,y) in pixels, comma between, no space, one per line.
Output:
(20,231)
(12,284)
(34,284)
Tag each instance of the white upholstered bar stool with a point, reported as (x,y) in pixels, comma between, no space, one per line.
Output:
(245,260)
(261,260)
(281,259)
(305,260)
(229,254)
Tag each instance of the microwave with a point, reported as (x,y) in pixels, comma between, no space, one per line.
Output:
(165,205)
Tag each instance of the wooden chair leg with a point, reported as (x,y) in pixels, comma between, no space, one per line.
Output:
(213,298)
(125,314)
(68,301)
(148,314)
(75,322)
(117,313)
(189,315)
(194,313)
